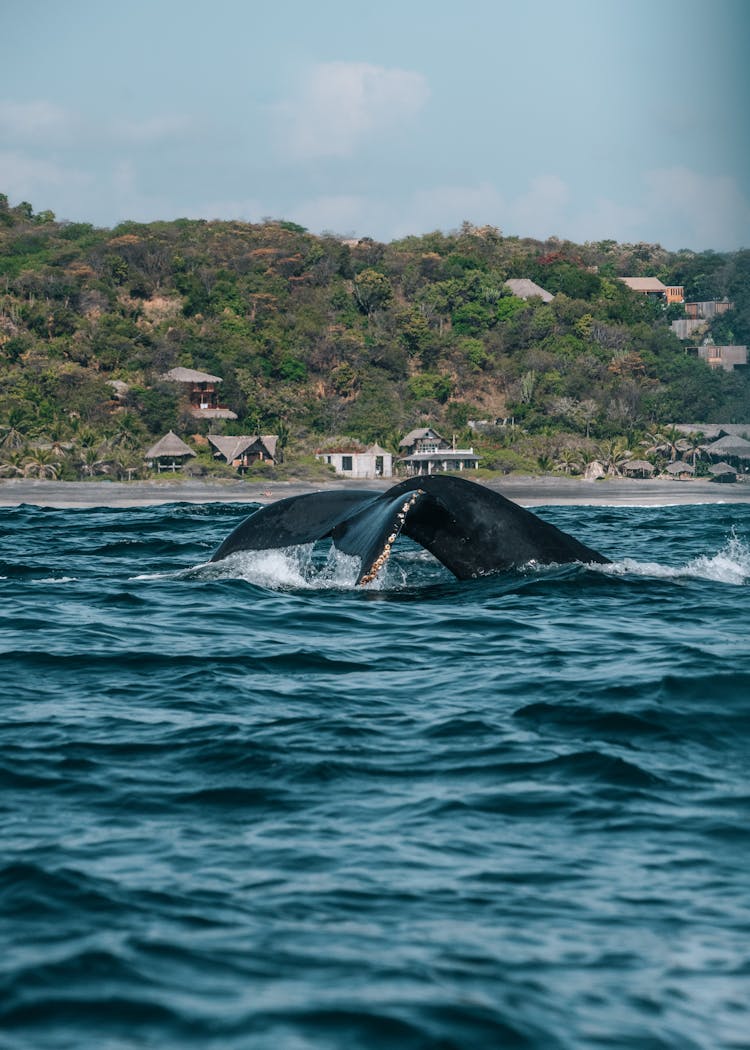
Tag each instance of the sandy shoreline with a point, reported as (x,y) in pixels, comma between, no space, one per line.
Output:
(528,491)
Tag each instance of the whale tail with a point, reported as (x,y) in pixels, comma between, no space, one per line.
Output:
(471,529)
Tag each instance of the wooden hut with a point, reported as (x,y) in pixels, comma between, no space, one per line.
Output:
(202,391)
(638,468)
(723,473)
(680,469)
(731,449)
(243,450)
(169,453)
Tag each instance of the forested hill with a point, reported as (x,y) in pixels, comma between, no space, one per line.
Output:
(316,336)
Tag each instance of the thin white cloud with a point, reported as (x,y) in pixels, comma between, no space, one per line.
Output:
(34,121)
(341,104)
(22,175)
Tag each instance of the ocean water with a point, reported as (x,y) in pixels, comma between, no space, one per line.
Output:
(248,805)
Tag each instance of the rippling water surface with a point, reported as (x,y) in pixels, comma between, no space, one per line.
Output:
(251,805)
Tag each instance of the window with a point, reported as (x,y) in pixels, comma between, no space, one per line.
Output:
(346,462)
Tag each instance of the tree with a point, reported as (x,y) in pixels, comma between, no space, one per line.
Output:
(371,290)
(40,465)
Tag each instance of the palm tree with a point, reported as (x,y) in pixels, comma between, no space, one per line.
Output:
(569,460)
(127,463)
(94,460)
(13,438)
(12,465)
(40,465)
(613,454)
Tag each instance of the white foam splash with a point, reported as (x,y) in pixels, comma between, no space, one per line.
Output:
(288,568)
(729,565)
(56,579)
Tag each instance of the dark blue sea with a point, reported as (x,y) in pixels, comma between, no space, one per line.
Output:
(248,805)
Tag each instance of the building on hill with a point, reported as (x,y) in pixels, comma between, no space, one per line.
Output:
(687,327)
(524,288)
(707,310)
(652,286)
(241,452)
(354,462)
(202,392)
(169,453)
(726,357)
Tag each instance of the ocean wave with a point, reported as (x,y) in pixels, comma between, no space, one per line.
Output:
(730,565)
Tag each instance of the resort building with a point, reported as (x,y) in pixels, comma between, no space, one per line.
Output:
(353,462)
(427,452)
(652,286)
(443,460)
(201,389)
(709,309)
(241,452)
(169,453)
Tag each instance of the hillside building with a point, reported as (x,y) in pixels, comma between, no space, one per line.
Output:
(202,392)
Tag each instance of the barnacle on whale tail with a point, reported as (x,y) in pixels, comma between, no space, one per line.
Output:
(385,554)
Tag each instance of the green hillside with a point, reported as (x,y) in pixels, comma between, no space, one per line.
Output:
(317,337)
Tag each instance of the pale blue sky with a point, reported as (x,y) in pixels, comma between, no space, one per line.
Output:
(584,119)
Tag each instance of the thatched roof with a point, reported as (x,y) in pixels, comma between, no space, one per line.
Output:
(190,375)
(169,445)
(524,288)
(722,468)
(714,430)
(638,466)
(680,467)
(231,447)
(376,450)
(736,447)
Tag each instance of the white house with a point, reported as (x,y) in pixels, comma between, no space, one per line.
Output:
(442,460)
(351,462)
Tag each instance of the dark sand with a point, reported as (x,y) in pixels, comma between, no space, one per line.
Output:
(528,491)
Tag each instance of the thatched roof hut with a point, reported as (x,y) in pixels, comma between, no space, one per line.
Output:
(679,468)
(731,447)
(638,468)
(168,453)
(722,472)
(190,375)
(242,450)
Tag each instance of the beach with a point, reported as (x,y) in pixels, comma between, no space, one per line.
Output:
(529,491)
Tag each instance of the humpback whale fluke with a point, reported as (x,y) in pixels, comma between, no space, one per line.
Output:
(471,529)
